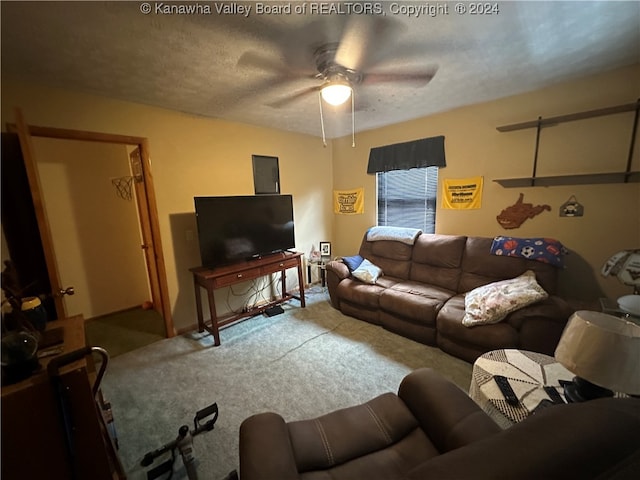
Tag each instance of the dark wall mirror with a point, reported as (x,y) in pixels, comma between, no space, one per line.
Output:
(266,174)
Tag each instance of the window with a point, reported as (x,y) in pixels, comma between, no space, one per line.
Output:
(407,198)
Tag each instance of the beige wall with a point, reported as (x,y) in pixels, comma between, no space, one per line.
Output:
(193,156)
(197,156)
(95,233)
(474,147)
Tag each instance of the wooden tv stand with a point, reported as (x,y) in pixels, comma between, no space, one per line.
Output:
(228,275)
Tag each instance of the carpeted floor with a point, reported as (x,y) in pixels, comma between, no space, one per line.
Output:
(301,364)
(125,331)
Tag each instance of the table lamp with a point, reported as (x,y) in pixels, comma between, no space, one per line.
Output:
(603,352)
(625,266)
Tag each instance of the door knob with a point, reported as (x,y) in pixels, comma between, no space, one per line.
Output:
(66,291)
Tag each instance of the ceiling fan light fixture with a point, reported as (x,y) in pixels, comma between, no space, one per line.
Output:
(336,92)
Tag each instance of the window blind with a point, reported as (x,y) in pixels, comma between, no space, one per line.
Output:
(407,198)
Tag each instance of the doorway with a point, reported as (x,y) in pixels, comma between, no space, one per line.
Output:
(142,188)
(96,234)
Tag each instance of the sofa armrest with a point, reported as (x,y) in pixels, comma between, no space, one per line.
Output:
(339,268)
(265,449)
(336,271)
(540,325)
(449,417)
(554,309)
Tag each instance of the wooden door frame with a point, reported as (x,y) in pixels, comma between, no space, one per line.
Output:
(147,216)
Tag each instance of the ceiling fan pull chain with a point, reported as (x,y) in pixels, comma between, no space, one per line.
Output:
(324,140)
(353,120)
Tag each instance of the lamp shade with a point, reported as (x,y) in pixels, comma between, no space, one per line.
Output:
(336,93)
(603,349)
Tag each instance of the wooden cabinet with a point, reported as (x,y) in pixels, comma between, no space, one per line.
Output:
(211,279)
(233,278)
(279,265)
(37,442)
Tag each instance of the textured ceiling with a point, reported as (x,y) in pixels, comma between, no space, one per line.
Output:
(236,67)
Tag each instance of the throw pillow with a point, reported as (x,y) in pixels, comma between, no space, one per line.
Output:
(493,302)
(367,272)
(352,262)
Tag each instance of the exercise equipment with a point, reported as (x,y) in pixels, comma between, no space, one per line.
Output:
(184,444)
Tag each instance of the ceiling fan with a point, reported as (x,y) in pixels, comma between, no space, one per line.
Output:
(356,60)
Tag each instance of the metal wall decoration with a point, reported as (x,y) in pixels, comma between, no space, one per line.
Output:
(516,214)
(571,208)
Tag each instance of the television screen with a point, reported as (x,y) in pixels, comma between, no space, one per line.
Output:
(237,228)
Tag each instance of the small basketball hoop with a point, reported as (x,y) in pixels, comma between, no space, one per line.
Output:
(123,186)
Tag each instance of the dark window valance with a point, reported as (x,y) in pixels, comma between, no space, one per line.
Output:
(426,152)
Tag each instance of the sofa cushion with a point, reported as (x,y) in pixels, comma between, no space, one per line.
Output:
(393,462)
(364,294)
(367,272)
(392,250)
(371,315)
(552,308)
(418,331)
(436,260)
(439,250)
(488,337)
(480,267)
(350,433)
(414,300)
(394,258)
(466,351)
(493,302)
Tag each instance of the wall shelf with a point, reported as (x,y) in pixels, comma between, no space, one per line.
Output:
(551,121)
(583,179)
(626,176)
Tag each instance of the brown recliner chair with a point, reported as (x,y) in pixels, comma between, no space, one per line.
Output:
(432,429)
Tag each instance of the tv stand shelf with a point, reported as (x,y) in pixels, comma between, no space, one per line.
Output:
(211,279)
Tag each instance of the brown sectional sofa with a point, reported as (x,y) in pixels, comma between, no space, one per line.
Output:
(421,294)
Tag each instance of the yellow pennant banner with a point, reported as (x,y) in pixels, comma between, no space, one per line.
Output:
(348,202)
(462,194)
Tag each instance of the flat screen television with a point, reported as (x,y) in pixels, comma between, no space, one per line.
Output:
(237,228)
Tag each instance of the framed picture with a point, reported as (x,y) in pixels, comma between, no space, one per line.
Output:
(266,174)
(325,249)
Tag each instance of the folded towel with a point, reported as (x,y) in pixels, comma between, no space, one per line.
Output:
(398,234)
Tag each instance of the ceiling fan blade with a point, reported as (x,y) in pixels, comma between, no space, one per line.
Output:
(361,33)
(298,48)
(283,102)
(352,48)
(277,66)
(418,79)
(260,62)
